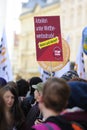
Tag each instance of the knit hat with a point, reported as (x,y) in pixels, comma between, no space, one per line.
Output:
(3,82)
(78,96)
(70,75)
(38,87)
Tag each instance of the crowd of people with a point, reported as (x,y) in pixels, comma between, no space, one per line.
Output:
(56,104)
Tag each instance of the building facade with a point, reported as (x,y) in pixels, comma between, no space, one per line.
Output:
(73,20)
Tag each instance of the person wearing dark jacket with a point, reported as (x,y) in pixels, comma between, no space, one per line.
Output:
(34,111)
(29,101)
(53,101)
(77,105)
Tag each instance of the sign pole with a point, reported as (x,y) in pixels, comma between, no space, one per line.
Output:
(50,69)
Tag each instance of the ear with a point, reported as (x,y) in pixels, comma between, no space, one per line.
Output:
(40,99)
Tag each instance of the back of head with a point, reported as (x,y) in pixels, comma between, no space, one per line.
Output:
(3,82)
(78,96)
(34,81)
(22,87)
(12,84)
(55,94)
(69,75)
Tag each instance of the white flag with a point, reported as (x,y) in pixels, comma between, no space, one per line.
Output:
(79,65)
(63,70)
(45,75)
(5,67)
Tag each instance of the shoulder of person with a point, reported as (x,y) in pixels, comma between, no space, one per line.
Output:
(46,126)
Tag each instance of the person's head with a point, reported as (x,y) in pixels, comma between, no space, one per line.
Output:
(34,81)
(78,95)
(69,75)
(9,96)
(55,94)
(38,91)
(3,82)
(12,84)
(22,87)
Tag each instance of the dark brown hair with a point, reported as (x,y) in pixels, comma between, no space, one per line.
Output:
(55,94)
(16,111)
(3,122)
